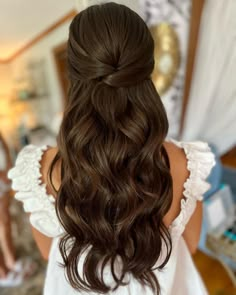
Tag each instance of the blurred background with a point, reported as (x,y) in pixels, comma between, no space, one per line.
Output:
(195,70)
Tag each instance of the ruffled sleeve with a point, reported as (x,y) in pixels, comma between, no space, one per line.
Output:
(200,161)
(27,182)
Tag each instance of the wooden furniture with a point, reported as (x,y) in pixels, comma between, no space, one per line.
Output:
(197,7)
(214,275)
(60,57)
(229,159)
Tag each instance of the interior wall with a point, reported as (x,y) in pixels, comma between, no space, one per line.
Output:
(51,104)
(5,80)
(133,4)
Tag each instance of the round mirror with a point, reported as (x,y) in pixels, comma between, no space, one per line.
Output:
(167,56)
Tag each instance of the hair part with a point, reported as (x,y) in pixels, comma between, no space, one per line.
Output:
(116,185)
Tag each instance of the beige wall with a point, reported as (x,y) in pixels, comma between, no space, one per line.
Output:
(43,50)
(133,4)
(5,98)
(5,80)
(40,110)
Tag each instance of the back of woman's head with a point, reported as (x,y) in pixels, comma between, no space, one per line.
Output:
(116,185)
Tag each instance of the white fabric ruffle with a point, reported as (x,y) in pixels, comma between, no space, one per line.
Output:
(27,181)
(200,161)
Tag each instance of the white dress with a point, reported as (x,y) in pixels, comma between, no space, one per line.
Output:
(178,277)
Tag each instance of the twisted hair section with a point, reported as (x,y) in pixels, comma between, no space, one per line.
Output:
(116,185)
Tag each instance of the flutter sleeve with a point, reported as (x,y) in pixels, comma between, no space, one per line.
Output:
(27,182)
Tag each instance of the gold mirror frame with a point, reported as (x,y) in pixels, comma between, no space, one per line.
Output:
(167,56)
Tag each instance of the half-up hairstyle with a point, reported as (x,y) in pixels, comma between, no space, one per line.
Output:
(116,185)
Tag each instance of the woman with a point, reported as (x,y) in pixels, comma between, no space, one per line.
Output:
(114,206)
(12,272)
(7,257)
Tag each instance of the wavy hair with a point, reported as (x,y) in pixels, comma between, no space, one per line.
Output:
(116,185)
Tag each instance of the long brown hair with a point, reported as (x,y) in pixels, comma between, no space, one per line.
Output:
(116,185)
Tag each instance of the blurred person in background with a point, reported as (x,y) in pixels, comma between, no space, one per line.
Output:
(7,254)
(12,271)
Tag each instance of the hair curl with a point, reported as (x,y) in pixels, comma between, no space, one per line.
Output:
(116,185)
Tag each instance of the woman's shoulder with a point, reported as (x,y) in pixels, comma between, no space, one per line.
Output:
(190,165)
(192,156)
